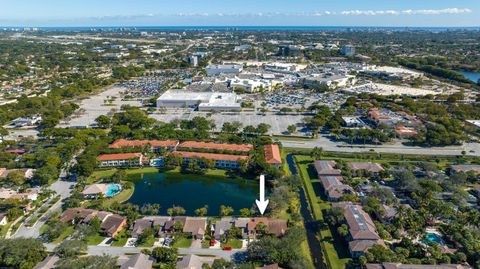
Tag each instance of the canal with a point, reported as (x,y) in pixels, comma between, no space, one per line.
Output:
(311,225)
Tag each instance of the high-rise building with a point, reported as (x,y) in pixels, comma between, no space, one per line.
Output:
(348,50)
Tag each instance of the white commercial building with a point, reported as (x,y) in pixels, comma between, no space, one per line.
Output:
(281,68)
(204,101)
(252,85)
(217,69)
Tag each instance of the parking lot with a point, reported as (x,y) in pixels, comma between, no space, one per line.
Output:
(95,106)
(278,123)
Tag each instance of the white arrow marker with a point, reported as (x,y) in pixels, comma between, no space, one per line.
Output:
(262,204)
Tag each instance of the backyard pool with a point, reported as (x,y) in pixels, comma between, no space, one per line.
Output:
(113,190)
(193,191)
(433,238)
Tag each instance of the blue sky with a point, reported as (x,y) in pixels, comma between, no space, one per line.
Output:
(240,12)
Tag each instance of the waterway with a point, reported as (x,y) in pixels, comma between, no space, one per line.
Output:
(311,225)
(193,191)
(471,75)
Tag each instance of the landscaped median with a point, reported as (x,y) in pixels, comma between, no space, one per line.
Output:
(335,253)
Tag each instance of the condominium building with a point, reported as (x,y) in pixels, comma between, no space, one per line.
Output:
(120,160)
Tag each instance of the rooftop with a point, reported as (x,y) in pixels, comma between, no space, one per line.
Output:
(119,156)
(211,156)
(272,154)
(215,146)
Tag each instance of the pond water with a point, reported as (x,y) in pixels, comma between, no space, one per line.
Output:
(471,76)
(193,191)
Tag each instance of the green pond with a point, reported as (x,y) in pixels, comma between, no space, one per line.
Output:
(193,191)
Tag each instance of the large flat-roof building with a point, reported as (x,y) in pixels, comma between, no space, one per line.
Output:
(203,101)
(217,69)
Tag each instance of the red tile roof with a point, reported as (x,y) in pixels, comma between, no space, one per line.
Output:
(210,145)
(210,156)
(120,156)
(272,154)
(406,131)
(123,143)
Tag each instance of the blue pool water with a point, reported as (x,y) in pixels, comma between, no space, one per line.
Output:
(434,238)
(113,190)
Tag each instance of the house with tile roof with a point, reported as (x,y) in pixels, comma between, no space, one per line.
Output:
(362,232)
(212,147)
(153,145)
(138,261)
(272,155)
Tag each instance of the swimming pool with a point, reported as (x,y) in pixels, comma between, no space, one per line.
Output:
(113,190)
(434,238)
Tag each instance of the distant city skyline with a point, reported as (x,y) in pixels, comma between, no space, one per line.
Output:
(410,13)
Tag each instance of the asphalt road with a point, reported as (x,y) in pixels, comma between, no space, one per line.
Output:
(62,188)
(472,149)
(118,251)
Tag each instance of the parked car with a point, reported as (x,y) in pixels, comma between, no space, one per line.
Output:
(228,248)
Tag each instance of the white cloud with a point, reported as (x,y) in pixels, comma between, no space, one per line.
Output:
(406,12)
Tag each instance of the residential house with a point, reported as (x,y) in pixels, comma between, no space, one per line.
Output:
(27,173)
(94,190)
(387,265)
(137,261)
(332,180)
(272,155)
(334,188)
(169,225)
(195,226)
(326,168)
(362,231)
(372,168)
(224,224)
(190,262)
(157,146)
(465,168)
(31,194)
(222,161)
(47,263)
(273,226)
(111,224)
(158,221)
(120,159)
(141,225)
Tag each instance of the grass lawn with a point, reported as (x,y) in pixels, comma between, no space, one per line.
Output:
(95,240)
(120,239)
(234,243)
(182,243)
(148,243)
(334,248)
(65,234)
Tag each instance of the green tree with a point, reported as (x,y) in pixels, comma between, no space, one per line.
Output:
(226,210)
(70,248)
(201,211)
(103,121)
(22,253)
